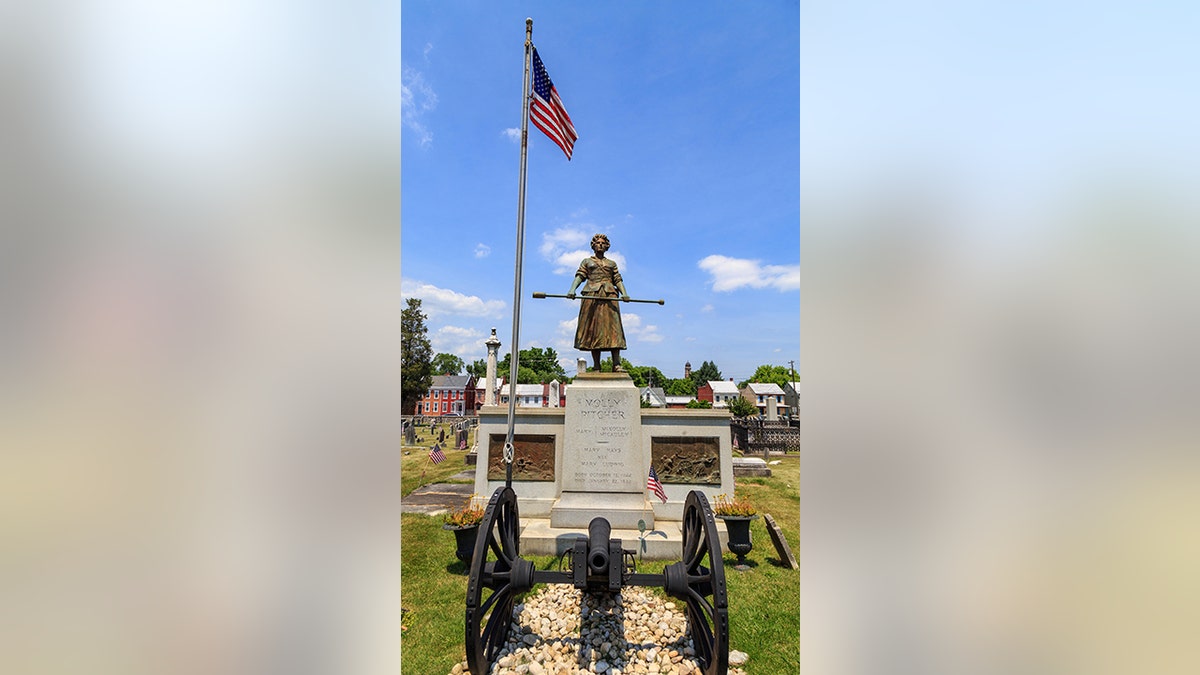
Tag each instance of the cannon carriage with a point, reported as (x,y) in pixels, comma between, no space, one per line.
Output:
(597,563)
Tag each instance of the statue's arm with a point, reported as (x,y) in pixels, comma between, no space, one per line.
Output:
(619,283)
(575,284)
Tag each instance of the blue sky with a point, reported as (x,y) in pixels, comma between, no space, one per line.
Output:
(688,158)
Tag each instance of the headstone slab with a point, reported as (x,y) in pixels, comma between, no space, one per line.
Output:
(781,545)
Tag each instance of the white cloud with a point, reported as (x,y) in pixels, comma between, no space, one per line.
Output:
(557,241)
(465,343)
(689,339)
(416,99)
(568,261)
(568,245)
(439,301)
(706,308)
(428,48)
(634,329)
(513,134)
(729,274)
(650,334)
(482,250)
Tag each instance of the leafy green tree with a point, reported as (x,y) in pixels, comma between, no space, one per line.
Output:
(684,386)
(699,404)
(706,372)
(416,367)
(447,364)
(767,373)
(478,368)
(740,407)
(537,365)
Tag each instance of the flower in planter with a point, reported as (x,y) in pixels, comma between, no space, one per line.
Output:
(466,516)
(735,507)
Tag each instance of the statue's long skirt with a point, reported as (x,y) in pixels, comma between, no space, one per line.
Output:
(599,325)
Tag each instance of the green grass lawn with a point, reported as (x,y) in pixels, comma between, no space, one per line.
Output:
(764,602)
(416,469)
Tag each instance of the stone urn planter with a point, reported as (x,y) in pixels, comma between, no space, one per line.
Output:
(739,537)
(464,523)
(464,540)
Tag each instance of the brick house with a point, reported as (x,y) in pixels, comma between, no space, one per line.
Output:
(717,392)
(448,395)
(758,393)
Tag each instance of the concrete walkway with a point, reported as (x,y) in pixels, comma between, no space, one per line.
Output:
(437,498)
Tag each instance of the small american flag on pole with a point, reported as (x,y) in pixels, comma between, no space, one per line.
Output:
(436,454)
(656,487)
(546,109)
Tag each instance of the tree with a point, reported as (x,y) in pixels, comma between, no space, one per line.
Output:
(416,367)
(684,386)
(478,368)
(740,407)
(537,365)
(696,403)
(447,364)
(766,373)
(705,373)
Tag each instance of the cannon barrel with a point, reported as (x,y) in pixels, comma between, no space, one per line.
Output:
(598,532)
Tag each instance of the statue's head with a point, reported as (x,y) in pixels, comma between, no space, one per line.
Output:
(600,240)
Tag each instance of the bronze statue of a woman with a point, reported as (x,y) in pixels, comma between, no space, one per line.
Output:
(599,326)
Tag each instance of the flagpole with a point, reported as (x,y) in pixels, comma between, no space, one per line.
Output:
(516,329)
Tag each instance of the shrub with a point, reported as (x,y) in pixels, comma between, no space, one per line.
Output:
(466,516)
(735,507)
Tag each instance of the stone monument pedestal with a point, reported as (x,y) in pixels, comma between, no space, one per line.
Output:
(603,469)
(623,511)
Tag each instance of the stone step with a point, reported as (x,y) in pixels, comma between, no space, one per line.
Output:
(665,542)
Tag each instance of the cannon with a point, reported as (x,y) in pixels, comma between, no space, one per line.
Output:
(597,564)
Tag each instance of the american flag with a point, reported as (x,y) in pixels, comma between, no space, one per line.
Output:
(436,454)
(546,110)
(656,487)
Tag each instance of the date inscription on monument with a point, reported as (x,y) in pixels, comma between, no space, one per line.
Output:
(533,457)
(601,450)
(687,459)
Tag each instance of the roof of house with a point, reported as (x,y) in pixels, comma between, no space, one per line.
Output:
(795,386)
(679,399)
(763,388)
(723,387)
(656,394)
(450,381)
(529,389)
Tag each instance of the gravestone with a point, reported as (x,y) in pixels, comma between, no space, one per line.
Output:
(750,466)
(781,545)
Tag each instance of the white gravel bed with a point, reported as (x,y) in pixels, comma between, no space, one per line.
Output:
(554,632)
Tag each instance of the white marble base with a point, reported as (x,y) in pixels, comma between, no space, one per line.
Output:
(623,510)
(664,542)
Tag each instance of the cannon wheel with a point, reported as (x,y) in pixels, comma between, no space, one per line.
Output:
(707,601)
(496,556)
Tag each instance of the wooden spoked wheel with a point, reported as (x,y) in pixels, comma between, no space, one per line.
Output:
(498,577)
(702,588)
